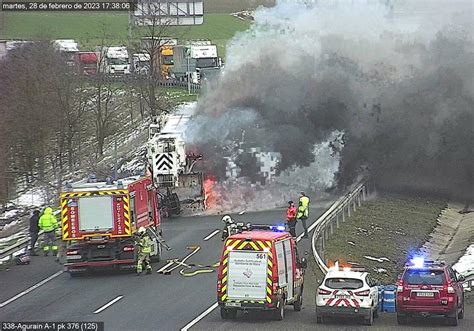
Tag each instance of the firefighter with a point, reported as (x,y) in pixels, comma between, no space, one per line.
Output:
(303,212)
(291,218)
(47,222)
(143,242)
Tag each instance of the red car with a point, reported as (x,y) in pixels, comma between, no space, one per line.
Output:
(428,288)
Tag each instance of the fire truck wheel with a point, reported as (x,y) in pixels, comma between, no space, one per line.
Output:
(461,312)
(298,303)
(228,313)
(279,313)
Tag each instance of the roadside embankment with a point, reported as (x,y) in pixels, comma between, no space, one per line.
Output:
(383,232)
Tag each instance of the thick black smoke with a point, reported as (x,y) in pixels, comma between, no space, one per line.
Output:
(397,81)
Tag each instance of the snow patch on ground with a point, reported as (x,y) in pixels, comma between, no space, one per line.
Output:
(465,265)
(34,197)
(9,225)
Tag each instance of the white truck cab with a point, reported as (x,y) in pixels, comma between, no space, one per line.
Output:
(114,60)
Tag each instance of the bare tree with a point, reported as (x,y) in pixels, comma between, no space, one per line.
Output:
(152,36)
(103,92)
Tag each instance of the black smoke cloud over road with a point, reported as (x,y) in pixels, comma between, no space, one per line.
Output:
(399,84)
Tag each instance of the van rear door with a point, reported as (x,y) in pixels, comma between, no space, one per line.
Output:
(247,275)
(285,266)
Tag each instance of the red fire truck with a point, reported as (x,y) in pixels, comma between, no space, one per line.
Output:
(98,222)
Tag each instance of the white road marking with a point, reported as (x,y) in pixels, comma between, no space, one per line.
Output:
(19,295)
(242,212)
(180,263)
(166,266)
(200,317)
(107,305)
(211,235)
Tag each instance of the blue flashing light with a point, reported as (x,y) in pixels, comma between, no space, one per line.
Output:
(418,261)
(277,227)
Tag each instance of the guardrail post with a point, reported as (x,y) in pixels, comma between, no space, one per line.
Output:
(359,199)
(364,193)
(349,210)
(343,215)
(337,221)
(331,228)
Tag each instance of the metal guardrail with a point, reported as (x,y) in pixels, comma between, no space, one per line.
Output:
(15,248)
(330,220)
(19,245)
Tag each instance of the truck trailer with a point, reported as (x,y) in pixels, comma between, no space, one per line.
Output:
(86,63)
(99,220)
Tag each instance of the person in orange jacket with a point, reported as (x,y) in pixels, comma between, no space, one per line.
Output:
(291,217)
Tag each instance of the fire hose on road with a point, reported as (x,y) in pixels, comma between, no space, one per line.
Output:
(174,264)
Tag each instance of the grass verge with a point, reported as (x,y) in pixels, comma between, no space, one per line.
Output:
(179,95)
(390,226)
(89,28)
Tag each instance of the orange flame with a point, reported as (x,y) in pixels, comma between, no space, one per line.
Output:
(209,194)
(342,263)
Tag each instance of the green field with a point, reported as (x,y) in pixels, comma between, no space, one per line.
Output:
(90,28)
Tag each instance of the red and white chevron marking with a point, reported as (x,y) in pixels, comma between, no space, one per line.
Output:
(343,302)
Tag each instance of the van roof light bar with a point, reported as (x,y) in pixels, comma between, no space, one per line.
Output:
(265,227)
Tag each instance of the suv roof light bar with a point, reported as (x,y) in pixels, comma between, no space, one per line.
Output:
(426,263)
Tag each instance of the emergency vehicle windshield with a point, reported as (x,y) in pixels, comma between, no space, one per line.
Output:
(424,277)
(344,283)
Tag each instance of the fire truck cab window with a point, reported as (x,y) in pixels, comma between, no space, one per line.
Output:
(169,146)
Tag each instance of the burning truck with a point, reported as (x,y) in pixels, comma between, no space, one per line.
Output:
(172,166)
(180,178)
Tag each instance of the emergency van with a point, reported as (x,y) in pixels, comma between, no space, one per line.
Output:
(260,270)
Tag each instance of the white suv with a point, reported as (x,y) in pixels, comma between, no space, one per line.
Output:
(348,293)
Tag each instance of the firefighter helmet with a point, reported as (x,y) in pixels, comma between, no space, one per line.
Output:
(227,219)
(141,231)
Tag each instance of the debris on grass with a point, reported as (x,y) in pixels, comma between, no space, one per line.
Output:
(384,232)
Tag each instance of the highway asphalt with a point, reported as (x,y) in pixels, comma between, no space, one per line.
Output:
(165,302)
(148,302)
